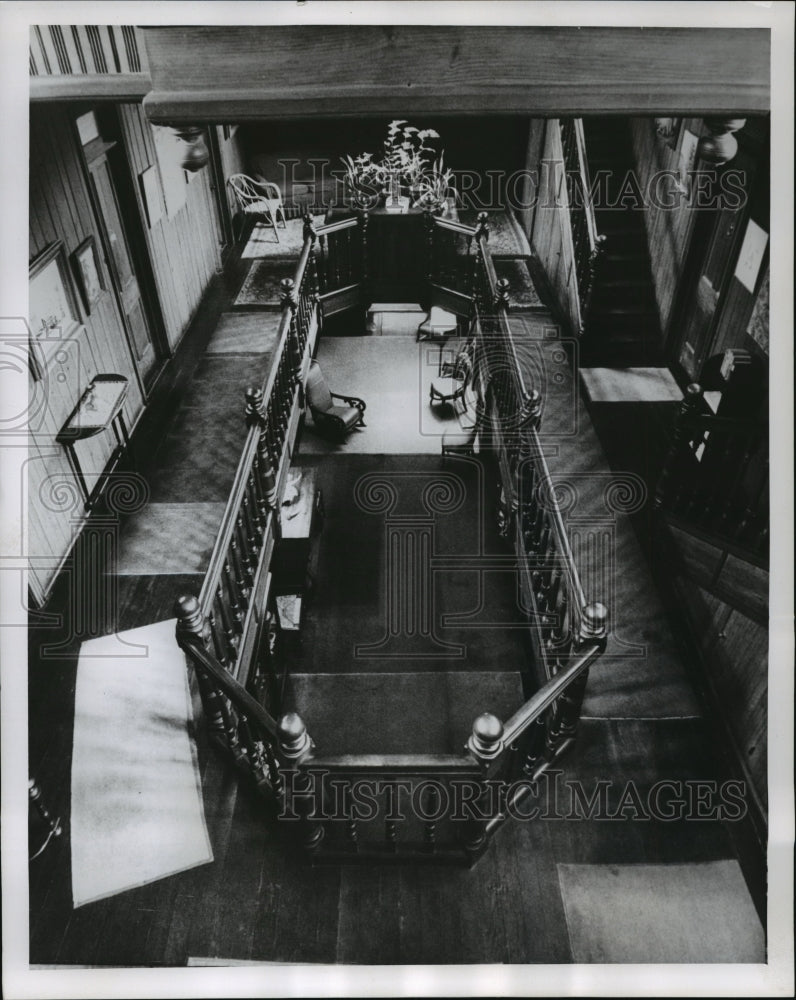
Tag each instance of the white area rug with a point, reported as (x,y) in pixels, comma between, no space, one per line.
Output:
(137,811)
(630,385)
(660,913)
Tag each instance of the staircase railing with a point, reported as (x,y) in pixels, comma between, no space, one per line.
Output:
(457,801)
(716,478)
(588,245)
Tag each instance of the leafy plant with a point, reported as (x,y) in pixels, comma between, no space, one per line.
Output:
(408,159)
(436,186)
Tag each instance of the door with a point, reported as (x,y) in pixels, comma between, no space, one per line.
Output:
(122,270)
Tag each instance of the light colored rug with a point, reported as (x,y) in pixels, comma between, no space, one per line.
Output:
(264,242)
(630,385)
(392,374)
(137,811)
(661,913)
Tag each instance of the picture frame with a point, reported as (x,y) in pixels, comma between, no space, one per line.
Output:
(53,311)
(88,273)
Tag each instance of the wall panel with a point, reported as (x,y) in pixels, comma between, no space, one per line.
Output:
(184,249)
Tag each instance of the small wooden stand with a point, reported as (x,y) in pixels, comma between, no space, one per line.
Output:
(99,407)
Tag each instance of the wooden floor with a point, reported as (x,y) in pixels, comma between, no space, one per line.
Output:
(260,900)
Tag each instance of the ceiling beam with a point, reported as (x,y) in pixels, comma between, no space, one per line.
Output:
(301,71)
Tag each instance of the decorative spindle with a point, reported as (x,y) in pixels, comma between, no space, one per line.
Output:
(502,294)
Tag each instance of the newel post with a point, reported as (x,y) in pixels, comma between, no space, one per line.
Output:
(593,631)
(194,629)
(303,798)
(689,407)
(486,745)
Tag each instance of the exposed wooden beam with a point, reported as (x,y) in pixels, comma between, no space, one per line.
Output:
(91,87)
(299,71)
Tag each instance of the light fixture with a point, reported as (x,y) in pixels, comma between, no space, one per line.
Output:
(197,154)
(720,145)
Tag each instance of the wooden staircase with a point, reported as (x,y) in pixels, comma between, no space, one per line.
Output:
(622,327)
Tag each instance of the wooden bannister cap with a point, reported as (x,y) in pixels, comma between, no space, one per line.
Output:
(484,741)
(188,613)
(594,622)
(294,740)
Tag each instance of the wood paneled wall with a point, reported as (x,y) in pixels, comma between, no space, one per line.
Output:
(668,229)
(550,232)
(184,253)
(60,209)
(184,250)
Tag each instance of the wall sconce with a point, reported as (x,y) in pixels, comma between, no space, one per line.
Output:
(196,154)
(720,145)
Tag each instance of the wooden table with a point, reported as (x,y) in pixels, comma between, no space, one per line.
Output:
(98,408)
(300,515)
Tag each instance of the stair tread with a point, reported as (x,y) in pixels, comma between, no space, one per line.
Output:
(393,713)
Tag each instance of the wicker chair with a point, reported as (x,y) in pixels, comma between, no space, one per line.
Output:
(260,199)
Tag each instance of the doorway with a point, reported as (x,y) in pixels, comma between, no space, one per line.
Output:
(124,247)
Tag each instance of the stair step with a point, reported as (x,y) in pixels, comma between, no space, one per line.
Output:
(399,713)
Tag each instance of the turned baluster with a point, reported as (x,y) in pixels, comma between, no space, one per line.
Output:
(251,512)
(592,270)
(295,747)
(534,745)
(352,834)
(226,624)
(238,566)
(690,406)
(193,629)
(235,600)
(486,745)
(430,828)
(274,773)
(502,294)
(593,630)
(218,640)
(259,501)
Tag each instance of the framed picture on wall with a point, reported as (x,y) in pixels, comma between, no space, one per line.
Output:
(53,310)
(87,271)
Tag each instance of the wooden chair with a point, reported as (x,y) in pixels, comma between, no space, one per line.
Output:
(438,325)
(329,417)
(452,379)
(260,199)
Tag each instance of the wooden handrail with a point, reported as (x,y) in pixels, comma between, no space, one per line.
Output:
(454,226)
(542,699)
(335,227)
(243,470)
(585,180)
(531,434)
(224,680)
